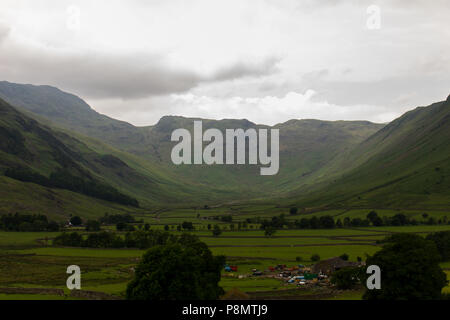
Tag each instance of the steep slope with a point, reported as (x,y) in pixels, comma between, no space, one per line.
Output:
(404,165)
(33,153)
(70,112)
(57,204)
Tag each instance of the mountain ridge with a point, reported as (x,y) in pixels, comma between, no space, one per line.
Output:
(322,163)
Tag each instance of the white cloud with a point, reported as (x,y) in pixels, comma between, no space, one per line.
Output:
(268,110)
(271,109)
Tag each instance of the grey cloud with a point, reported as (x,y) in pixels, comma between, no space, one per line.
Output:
(395,92)
(4,32)
(241,69)
(97,75)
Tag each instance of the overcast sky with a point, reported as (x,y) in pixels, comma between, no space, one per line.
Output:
(267,61)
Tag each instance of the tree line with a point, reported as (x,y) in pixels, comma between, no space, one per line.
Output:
(27,223)
(328,222)
(138,239)
(63,179)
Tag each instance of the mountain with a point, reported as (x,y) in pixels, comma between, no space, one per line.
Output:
(306,146)
(70,112)
(52,162)
(403,164)
(406,164)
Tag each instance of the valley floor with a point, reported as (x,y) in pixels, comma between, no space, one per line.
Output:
(30,268)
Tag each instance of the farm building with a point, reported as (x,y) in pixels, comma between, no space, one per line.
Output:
(331,265)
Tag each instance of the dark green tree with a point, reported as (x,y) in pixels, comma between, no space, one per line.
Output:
(346,278)
(185,270)
(372,215)
(315,258)
(293,210)
(121,226)
(269,231)
(76,221)
(326,222)
(442,241)
(187,225)
(409,269)
(92,225)
(216,231)
(344,257)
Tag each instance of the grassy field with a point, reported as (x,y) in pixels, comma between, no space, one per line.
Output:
(23,239)
(28,261)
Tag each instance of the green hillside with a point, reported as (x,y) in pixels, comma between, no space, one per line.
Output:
(322,163)
(56,204)
(404,165)
(34,154)
(305,147)
(70,112)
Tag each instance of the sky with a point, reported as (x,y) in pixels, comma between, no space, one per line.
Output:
(267,61)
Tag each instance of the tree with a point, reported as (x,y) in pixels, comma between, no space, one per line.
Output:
(410,269)
(315,258)
(147,227)
(166,227)
(314,223)
(187,225)
(76,221)
(399,220)
(92,225)
(53,226)
(185,270)
(326,222)
(269,231)
(372,215)
(120,226)
(293,210)
(298,259)
(216,231)
(304,223)
(377,222)
(346,221)
(442,242)
(344,257)
(346,278)
(209,226)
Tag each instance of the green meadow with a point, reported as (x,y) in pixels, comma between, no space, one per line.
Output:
(28,259)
